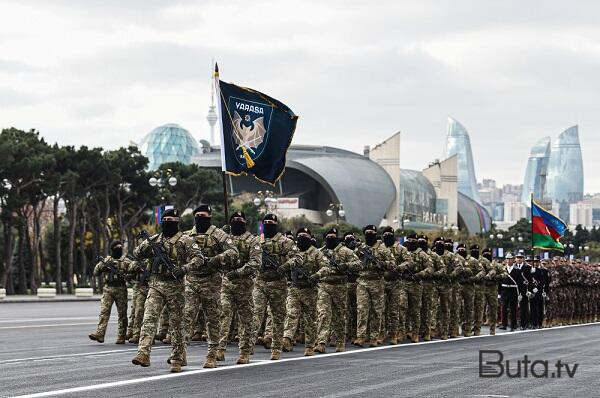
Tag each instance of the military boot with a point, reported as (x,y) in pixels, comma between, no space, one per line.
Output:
(96,337)
(197,336)
(360,341)
(443,336)
(287,344)
(466,333)
(340,347)
(309,352)
(243,359)
(427,337)
(373,343)
(211,361)
(220,355)
(401,337)
(129,334)
(476,332)
(175,367)
(493,330)
(380,338)
(260,340)
(160,336)
(415,338)
(393,338)
(120,340)
(332,343)
(268,341)
(275,355)
(167,339)
(141,359)
(320,348)
(134,340)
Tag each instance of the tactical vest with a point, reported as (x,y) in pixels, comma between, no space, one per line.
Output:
(112,278)
(243,243)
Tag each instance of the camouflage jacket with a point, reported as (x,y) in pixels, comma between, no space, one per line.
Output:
(462,271)
(370,269)
(493,270)
(140,273)
(214,243)
(185,256)
(476,268)
(313,261)
(250,255)
(280,250)
(400,254)
(452,262)
(345,261)
(114,271)
(417,266)
(440,271)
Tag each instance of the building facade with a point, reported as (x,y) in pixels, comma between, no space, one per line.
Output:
(168,143)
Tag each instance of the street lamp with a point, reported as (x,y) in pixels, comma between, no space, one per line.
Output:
(265,201)
(337,209)
(161,178)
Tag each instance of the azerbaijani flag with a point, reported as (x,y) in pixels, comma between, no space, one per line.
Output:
(546,229)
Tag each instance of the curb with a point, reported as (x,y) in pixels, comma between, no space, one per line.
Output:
(48,300)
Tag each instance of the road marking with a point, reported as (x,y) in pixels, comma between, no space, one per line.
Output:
(8,320)
(53,325)
(267,363)
(81,354)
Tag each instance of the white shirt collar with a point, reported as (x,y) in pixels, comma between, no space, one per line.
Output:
(510,268)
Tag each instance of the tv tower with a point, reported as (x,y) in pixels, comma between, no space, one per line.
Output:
(212,114)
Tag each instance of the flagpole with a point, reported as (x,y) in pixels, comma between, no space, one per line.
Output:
(531,215)
(223,167)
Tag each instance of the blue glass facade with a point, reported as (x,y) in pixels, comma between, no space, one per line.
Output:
(168,143)
(458,143)
(417,195)
(537,167)
(564,184)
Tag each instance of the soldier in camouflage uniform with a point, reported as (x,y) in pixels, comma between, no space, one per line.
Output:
(349,241)
(375,260)
(465,274)
(478,288)
(270,286)
(442,287)
(301,299)
(141,279)
(203,285)
(428,288)
(166,287)
(396,302)
(236,292)
(333,291)
(494,273)
(453,263)
(416,267)
(113,269)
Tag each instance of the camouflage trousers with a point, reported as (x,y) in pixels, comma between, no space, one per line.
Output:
(169,293)
(164,321)
(414,293)
(427,297)
(139,300)
(351,311)
(203,291)
(272,295)
(134,289)
(331,312)
(468,298)
(301,303)
(455,309)
(441,307)
(396,303)
(236,297)
(110,295)
(369,307)
(478,306)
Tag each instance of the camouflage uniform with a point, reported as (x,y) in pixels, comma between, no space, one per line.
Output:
(166,289)
(114,291)
(333,294)
(454,266)
(270,286)
(494,272)
(440,309)
(302,297)
(427,297)
(416,267)
(203,284)
(236,293)
(396,300)
(139,301)
(370,290)
(478,293)
(467,282)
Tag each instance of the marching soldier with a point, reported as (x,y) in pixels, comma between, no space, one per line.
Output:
(350,242)
(453,265)
(465,277)
(238,284)
(442,286)
(414,269)
(428,286)
(396,301)
(376,259)
(203,285)
(478,288)
(172,255)
(140,299)
(301,299)
(270,287)
(494,272)
(113,269)
(333,291)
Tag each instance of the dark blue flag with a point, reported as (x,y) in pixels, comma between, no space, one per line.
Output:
(257,131)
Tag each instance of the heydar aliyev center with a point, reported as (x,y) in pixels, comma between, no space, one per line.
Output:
(555,172)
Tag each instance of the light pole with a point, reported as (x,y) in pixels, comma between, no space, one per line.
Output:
(163,179)
(265,201)
(338,210)
(498,237)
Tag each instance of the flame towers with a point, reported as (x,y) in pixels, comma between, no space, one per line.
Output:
(536,172)
(458,143)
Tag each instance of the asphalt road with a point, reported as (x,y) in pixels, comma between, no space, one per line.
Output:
(44,350)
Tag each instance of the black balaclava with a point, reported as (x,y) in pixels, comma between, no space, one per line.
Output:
(487,255)
(475,253)
(449,245)
(422,242)
(462,251)
(116,249)
(238,223)
(411,242)
(388,237)
(270,229)
(440,247)
(350,242)
(331,242)
(202,222)
(370,232)
(170,227)
(303,239)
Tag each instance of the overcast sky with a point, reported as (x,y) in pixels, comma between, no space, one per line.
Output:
(104,72)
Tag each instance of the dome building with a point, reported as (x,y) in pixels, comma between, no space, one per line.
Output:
(169,143)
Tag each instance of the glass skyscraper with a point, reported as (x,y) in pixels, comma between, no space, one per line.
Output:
(537,169)
(458,143)
(564,184)
(168,143)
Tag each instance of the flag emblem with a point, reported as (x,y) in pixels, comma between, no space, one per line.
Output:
(251,122)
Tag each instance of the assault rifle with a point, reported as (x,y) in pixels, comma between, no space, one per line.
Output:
(368,259)
(334,264)
(113,270)
(268,261)
(300,272)
(159,254)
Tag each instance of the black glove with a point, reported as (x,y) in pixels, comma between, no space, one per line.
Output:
(281,271)
(233,274)
(313,279)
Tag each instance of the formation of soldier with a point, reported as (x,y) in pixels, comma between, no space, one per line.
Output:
(280,290)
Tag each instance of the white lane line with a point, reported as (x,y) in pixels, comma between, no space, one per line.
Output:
(267,363)
(24,320)
(81,354)
(54,325)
